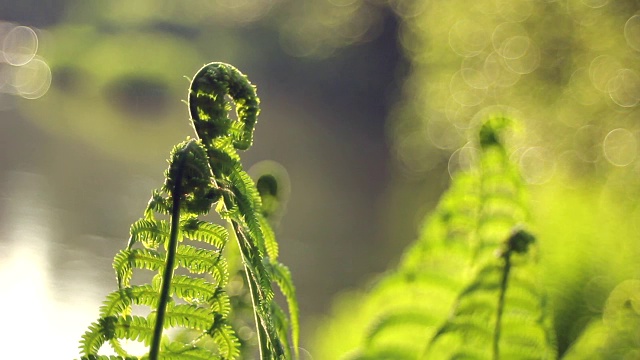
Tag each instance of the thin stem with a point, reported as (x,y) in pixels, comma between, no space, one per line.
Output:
(500,310)
(255,297)
(169,264)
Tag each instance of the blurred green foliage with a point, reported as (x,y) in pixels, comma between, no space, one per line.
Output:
(569,71)
(467,288)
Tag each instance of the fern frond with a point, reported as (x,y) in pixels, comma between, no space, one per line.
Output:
(126,260)
(188,316)
(199,291)
(615,335)
(201,173)
(120,301)
(93,338)
(388,353)
(110,357)
(135,328)
(203,261)
(150,232)
(225,338)
(455,300)
(206,232)
(270,243)
(158,203)
(417,318)
(179,351)
(282,277)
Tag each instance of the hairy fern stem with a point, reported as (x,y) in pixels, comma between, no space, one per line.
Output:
(172,246)
(255,296)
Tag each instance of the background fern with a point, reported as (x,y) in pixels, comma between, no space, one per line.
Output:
(467,288)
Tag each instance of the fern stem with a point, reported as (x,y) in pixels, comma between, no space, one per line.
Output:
(170,261)
(255,296)
(500,310)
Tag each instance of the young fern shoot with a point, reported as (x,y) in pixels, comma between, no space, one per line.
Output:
(203,173)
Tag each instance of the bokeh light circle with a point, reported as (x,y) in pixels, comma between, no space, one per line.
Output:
(521,55)
(20,45)
(443,134)
(587,141)
(462,159)
(33,79)
(601,70)
(465,93)
(498,73)
(620,147)
(516,11)
(538,165)
(7,74)
(632,32)
(595,3)
(624,88)
(467,38)
(505,32)
(515,47)
(581,89)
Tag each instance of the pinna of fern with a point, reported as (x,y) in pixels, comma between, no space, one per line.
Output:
(203,173)
(467,288)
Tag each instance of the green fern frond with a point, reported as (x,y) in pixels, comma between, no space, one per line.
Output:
(150,232)
(270,243)
(615,335)
(105,357)
(449,296)
(225,337)
(282,277)
(179,351)
(491,299)
(203,261)
(120,301)
(202,174)
(388,353)
(188,316)
(206,232)
(126,260)
(419,319)
(199,291)
(158,203)
(93,339)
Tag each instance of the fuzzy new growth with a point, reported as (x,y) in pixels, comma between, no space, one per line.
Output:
(203,173)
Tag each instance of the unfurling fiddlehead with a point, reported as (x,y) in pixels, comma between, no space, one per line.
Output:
(202,173)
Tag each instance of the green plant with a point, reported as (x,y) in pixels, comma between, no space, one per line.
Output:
(467,288)
(203,173)
(472,285)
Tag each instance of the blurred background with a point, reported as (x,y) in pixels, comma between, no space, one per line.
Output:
(368,104)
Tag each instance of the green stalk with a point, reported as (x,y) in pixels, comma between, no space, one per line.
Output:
(170,261)
(255,297)
(500,310)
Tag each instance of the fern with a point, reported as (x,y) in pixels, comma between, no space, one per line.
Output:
(202,174)
(615,336)
(467,288)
